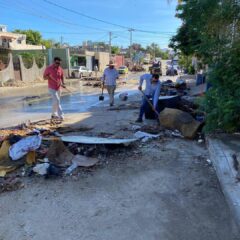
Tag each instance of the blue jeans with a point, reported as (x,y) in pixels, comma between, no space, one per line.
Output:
(144,106)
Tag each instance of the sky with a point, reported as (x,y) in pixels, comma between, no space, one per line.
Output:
(157,17)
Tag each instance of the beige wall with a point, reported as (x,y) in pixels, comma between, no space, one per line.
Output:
(17,46)
(8,73)
(33,73)
(103,59)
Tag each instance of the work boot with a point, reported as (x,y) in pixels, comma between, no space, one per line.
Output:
(139,120)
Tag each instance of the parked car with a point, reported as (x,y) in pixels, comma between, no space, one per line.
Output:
(123,70)
(81,71)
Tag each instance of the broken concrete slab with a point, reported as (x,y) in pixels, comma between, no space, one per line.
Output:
(97,140)
(182,121)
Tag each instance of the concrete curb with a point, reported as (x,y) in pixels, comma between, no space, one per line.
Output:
(221,157)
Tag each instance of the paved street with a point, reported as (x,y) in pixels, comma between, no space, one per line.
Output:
(161,189)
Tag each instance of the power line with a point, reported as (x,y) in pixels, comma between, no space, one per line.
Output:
(83,15)
(23,9)
(97,19)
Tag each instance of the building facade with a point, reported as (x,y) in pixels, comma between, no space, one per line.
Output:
(15,41)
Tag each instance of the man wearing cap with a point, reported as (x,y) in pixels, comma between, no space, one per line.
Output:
(152,90)
(110,75)
(55,77)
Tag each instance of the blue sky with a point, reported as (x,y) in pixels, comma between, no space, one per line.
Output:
(54,22)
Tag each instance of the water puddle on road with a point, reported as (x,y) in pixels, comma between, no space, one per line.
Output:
(70,103)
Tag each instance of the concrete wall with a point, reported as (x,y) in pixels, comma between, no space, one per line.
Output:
(64,54)
(17,46)
(7,73)
(103,60)
(31,74)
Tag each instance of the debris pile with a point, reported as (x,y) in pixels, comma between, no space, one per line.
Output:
(46,152)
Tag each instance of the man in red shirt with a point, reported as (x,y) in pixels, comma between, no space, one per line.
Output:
(55,77)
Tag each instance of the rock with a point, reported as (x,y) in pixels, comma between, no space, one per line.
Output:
(176,119)
(59,155)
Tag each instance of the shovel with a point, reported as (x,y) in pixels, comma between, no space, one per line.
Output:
(150,104)
(101,97)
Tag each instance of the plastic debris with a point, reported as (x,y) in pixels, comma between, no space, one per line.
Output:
(135,127)
(209,161)
(145,136)
(81,161)
(41,168)
(25,145)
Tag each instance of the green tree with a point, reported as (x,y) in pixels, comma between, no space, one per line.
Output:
(33,37)
(115,50)
(155,51)
(210,31)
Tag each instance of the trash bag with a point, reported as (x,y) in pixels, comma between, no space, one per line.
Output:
(25,145)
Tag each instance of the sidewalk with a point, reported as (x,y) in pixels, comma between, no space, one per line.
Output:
(221,150)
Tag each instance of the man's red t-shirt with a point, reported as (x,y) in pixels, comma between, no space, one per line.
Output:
(57,75)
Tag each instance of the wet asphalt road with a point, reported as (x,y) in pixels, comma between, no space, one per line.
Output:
(37,109)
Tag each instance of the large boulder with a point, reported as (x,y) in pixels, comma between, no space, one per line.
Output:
(176,119)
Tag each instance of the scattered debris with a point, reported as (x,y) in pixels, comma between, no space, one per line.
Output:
(96,140)
(80,161)
(25,145)
(59,155)
(209,162)
(176,133)
(41,168)
(135,127)
(10,184)
(145,136)
(6,164)
(67,129)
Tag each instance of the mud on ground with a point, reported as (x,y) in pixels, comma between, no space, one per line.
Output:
(161,189)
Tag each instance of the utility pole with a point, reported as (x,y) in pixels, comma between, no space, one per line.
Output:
(110,44)
(130,47)
(61,41)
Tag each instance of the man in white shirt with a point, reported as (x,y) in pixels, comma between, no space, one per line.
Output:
(110,75)
(153,88)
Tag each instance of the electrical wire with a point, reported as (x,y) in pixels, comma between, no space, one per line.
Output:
(99,20)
